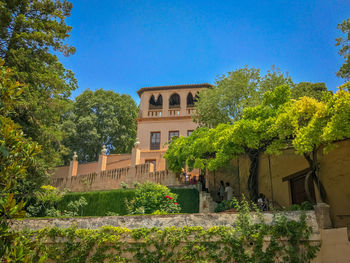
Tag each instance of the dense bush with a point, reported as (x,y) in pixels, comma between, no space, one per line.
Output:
(224,205)
(100,202)
(150,197)
(188,199)
(112,202)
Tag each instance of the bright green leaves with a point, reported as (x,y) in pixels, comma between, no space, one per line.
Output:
(343,43)
(214,148)
(269,127)
(32,33)
(233,92)
(338,110)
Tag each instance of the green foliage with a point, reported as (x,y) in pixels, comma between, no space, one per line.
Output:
(124,185)
(100,118)
(46,200)
(214,148)
(100,202)
(224,205)
(305,206)
(17,158)
(309,89)
(188,199)
(311,123)
(269,127)
(32,33)
(150,197)
(74,207)
(343,43)
(232,93)
(245,242)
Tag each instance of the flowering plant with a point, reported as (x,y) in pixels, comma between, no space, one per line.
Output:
(152,197)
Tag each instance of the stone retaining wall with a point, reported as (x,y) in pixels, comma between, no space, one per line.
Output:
(335,246)
(206,220)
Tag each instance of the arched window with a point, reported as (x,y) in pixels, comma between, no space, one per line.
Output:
(190,101)
(156,104)
(152,102)
(159,101)
(174,101)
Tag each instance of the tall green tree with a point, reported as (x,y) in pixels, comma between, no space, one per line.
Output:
(32,33)
(309,89)
(17,159)
(100,118)
(344,43)
(233,92)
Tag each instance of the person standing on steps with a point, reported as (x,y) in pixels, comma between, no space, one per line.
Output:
(228,191)
(221,191)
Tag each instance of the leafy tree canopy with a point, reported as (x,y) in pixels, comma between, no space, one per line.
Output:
(32,32)
(312,90)
(233,92)
(100,118)
(344,43)
(213,148)
(271,126)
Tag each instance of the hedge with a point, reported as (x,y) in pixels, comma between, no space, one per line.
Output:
(101,202)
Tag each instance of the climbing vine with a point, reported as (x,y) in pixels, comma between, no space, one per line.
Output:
(249,240)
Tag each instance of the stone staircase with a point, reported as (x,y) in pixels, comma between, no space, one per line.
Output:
(206,203)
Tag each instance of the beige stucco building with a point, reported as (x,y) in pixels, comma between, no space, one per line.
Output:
(164,112)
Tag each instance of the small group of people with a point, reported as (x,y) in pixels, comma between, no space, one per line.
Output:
(225,192)
(188,178)
(263,203)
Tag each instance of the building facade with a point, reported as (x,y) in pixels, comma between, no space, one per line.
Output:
(164,112)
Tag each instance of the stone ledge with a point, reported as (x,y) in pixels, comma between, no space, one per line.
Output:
(205,220)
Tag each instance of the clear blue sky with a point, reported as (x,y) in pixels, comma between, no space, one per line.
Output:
(129,44)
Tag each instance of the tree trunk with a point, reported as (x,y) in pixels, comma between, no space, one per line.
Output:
(253,179)
(312,160)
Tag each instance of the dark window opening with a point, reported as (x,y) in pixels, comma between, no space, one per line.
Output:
(189,132)
(173,134)
(174,101)
(156,104)
(190,100)
(299,186)
(155,141)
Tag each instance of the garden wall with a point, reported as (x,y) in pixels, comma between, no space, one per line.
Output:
(334,173)
(335,246)
(112,179)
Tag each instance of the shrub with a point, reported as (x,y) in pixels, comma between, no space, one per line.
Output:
(100,202)
(224,205)
(306,205)
(45,202)
(150,197)
(124,185)
(188,198)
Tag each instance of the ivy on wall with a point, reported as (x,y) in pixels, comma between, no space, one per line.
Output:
(283,241)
